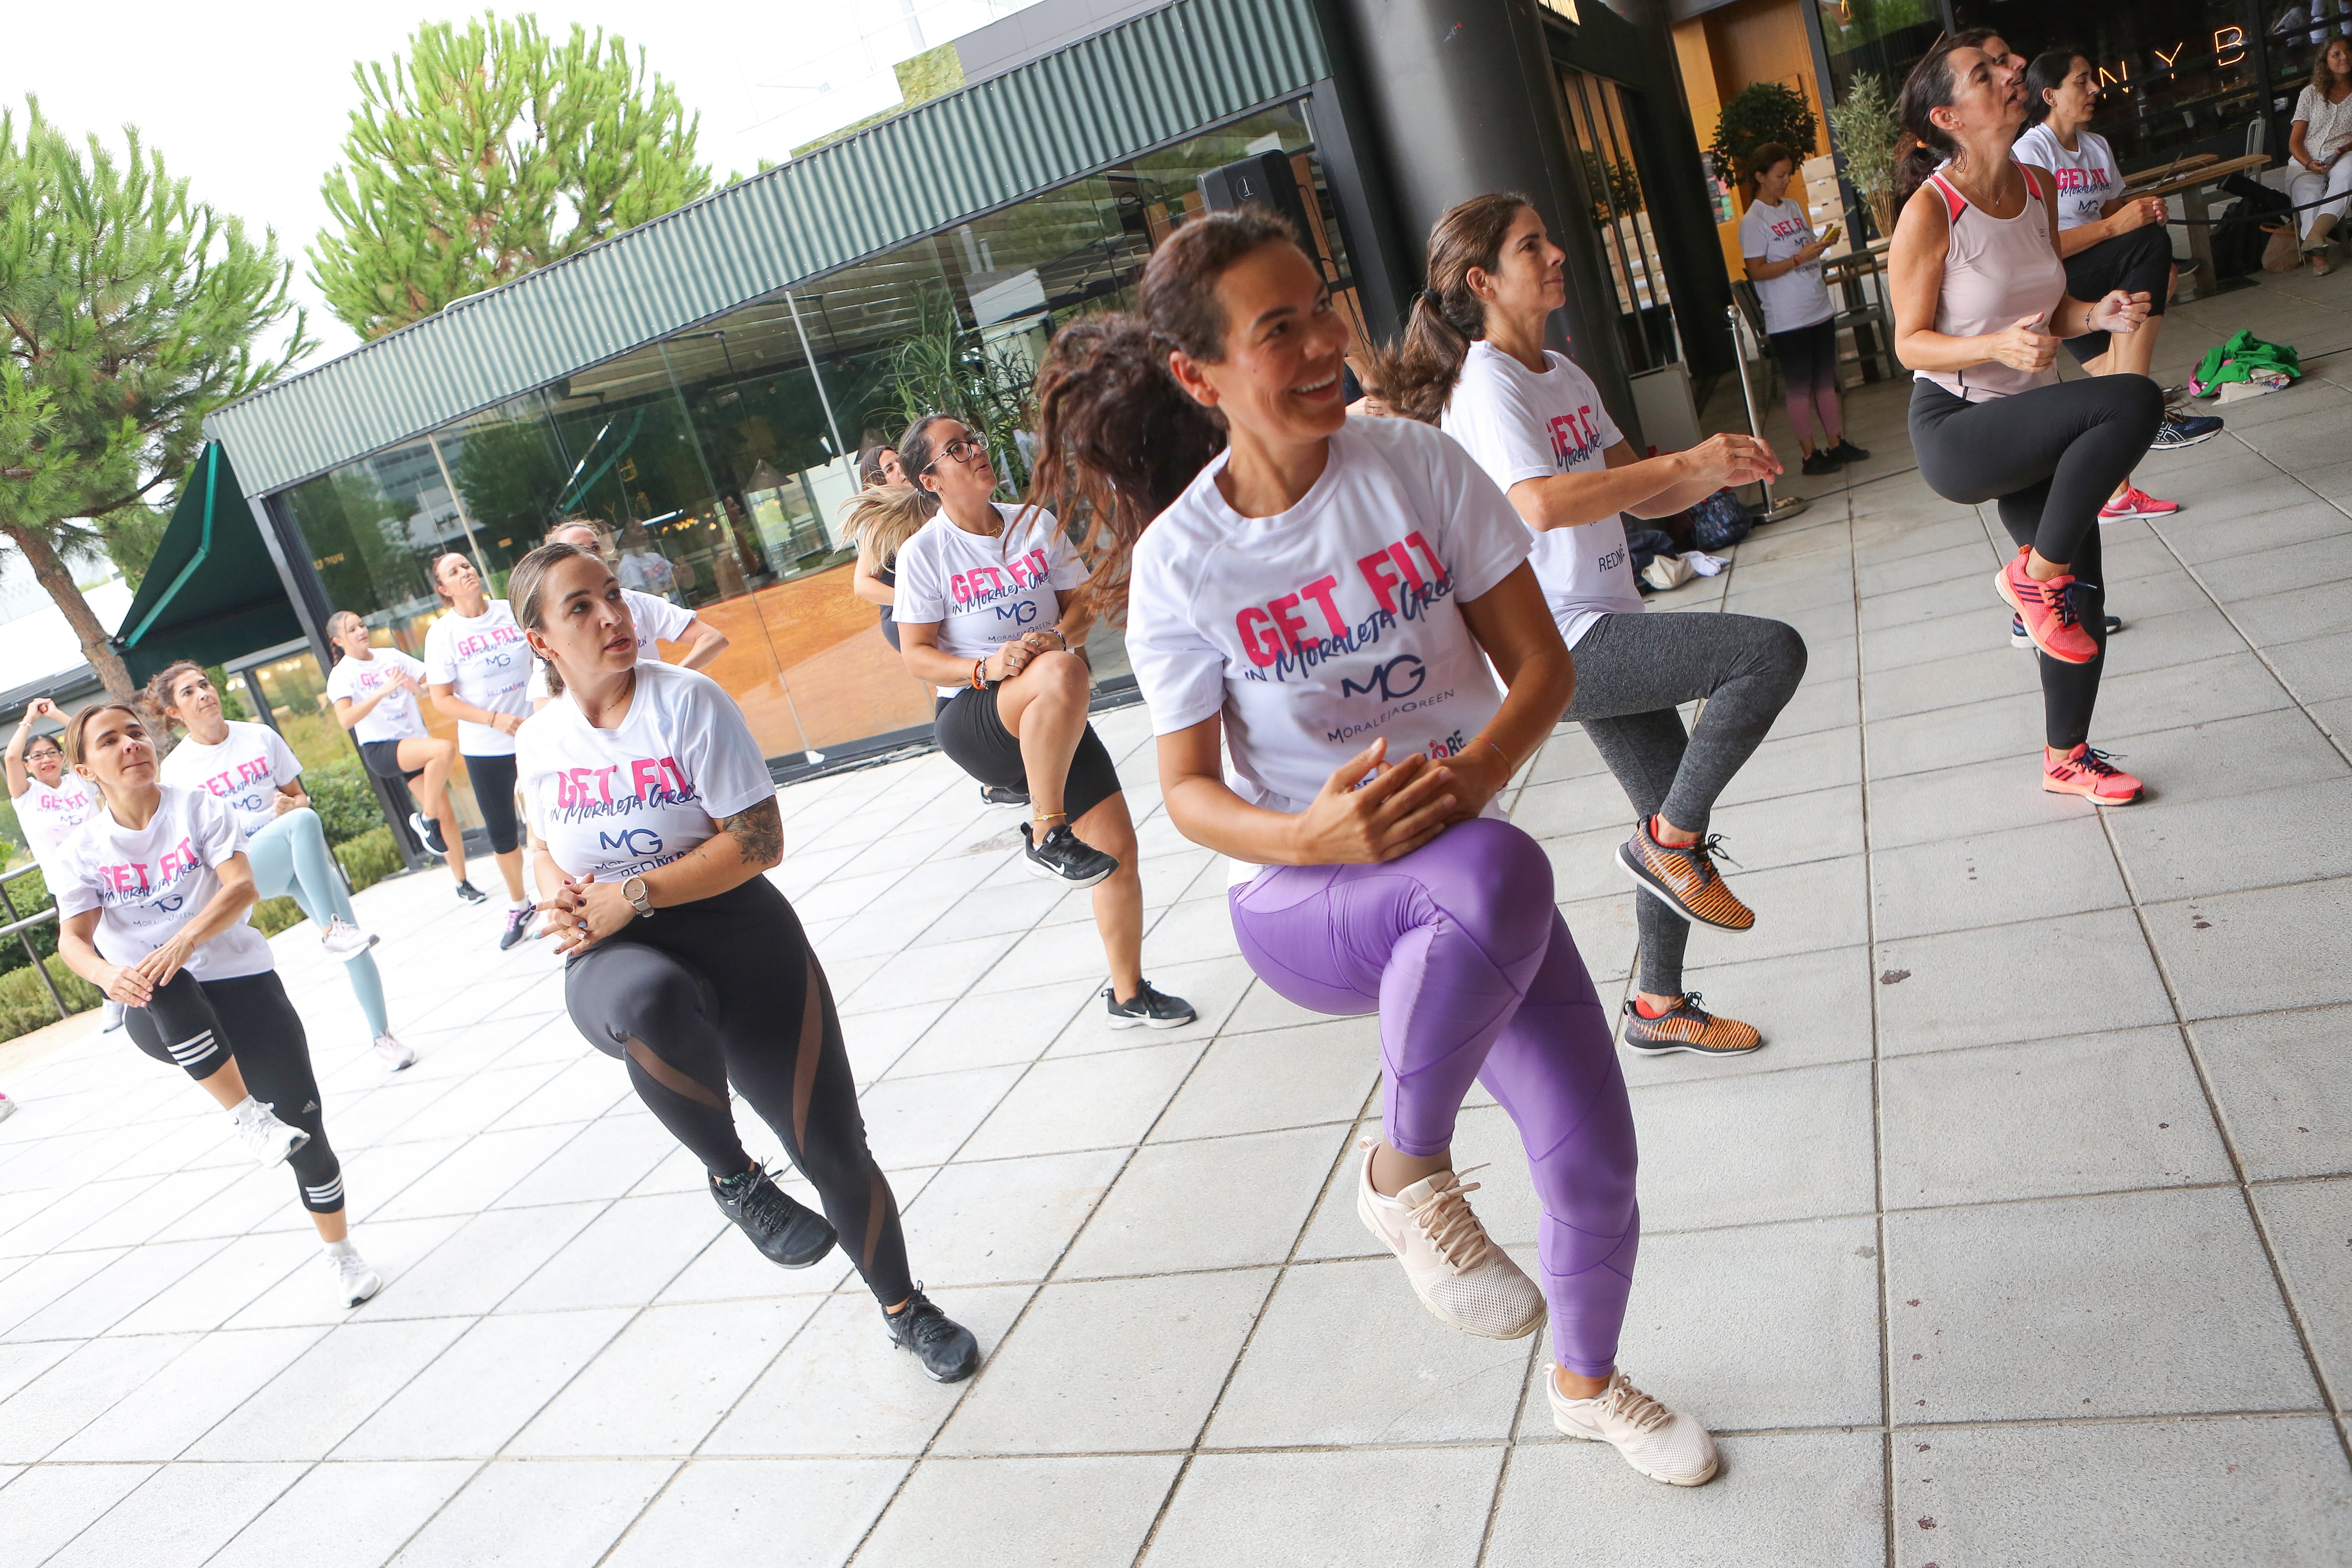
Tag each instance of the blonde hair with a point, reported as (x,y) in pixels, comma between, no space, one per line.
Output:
(338,623)
(883,518)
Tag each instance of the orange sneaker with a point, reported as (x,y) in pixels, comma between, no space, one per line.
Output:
(2047,609)
(1683,875)
(1687,1026)
(2085,772)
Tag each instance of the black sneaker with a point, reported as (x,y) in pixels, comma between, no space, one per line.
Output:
(1148,1008)
(517,926)
(1817,464)
(471,894)
(946,1348)
(2180,429)
(1066,857)
(785,1231)
(427,833)
(1846,451)
(990,794)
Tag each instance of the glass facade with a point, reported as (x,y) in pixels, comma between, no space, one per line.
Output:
(718,462)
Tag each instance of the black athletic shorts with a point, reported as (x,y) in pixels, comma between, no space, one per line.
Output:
(383,760)
(494,792)
(2138,262)
(976,740)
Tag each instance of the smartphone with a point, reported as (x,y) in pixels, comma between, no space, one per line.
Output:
(1829,234)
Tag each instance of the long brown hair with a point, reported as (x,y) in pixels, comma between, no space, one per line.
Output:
(2324,77)
(523,585)
(337,623)
(1928,88)
(160,708)
(1117,439)
(1416,376)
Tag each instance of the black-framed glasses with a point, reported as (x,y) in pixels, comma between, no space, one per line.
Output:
(957,450)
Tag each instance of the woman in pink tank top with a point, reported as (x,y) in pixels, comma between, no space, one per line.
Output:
(1981,306)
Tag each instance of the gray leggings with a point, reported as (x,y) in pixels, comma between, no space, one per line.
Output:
(1632,672)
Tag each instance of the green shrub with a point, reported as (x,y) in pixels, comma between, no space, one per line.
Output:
(30,895)
(1759,112)
(271,916)
(24,1003)
(344,800)
(369,858)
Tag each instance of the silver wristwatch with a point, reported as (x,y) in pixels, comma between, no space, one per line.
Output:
(634,889)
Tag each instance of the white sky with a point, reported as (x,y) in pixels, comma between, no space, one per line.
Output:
(250,99)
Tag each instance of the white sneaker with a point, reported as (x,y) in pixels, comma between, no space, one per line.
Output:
(1662,1443)
(354,1281)
(1456,1268)
(392,1053)
(343,940)
(7,1108)
(113,1020)
(267,1138)
(1706,565)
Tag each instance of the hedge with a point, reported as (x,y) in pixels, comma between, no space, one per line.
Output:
(371,858)
(24,1003)
(344,800)
(30,894)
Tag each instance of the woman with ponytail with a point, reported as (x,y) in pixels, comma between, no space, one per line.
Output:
(1536,424)
(1981,306)
(1312,618)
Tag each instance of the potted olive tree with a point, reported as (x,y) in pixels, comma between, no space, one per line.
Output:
(1865,129)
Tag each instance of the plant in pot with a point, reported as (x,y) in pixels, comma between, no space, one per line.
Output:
(1866,130)
(1759,112)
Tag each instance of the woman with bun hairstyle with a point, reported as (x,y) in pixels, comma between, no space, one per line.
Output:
(1312,606)
(153,898)
(2107,241)
(374,692)
(476,667)
(1473,363)
(1784,258)
(1981,306)
(652,819)
(250,770)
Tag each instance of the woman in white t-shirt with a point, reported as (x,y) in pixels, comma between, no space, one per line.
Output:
(1784,261)
(657,621)
(985,613)
(153,894)
(1317,615)
(652,817)
(2319,142)
(2108,242)
(476,666)
(374,692)
(251,770)
(50,799)
(1473,363)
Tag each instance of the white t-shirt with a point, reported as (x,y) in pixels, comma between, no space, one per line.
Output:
(610,802)
(487,662)
(657,621)
(2327,127)
(149,883)
(397,717)
(2087,177)
(1521,426)
(49,814)
(984,592)
(1798,297)
(244,772)
(1318,630)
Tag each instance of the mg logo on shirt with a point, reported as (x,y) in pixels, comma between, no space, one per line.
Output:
(640,841)
(1400,676)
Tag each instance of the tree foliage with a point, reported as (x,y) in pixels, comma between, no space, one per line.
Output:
(490,152)
(1867,129)
(1759,112)
(945,367)
(127,314)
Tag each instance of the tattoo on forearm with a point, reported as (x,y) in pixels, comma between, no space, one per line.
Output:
(759,833)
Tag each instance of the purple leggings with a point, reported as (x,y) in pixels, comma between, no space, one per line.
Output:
(1460,949)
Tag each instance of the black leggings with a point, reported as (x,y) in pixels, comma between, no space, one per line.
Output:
(200,1026)
(2051,457)
(2138,262)
(493,779)
(1631,670)
(727,991)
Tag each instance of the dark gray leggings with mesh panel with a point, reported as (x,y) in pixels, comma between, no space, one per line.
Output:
(727,991)
(1631,674)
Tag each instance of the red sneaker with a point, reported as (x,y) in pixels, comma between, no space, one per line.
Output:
(2047,610)
(2135,502)
(2087,772)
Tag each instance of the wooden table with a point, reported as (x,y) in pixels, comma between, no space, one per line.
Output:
(1848,273)
(2190,182)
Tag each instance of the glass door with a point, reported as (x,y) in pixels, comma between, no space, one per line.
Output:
(1597,113)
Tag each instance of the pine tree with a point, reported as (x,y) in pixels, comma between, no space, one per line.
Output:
(488,153)
(127,314)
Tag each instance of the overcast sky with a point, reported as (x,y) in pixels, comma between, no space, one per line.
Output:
(250,99)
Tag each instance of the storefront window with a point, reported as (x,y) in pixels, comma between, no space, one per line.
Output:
(718,463)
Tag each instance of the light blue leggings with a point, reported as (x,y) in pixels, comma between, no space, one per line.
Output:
(289,857)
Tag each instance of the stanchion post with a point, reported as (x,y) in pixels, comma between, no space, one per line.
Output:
(1787,507)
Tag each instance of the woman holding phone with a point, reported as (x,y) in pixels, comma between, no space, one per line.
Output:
(1784,258)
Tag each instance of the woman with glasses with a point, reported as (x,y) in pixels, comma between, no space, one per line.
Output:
(984,590)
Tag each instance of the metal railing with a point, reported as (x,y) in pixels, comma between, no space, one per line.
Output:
(17,928)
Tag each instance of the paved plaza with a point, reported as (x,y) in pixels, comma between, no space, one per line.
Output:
(2026,1240)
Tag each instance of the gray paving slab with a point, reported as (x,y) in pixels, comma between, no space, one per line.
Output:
(2279,1080)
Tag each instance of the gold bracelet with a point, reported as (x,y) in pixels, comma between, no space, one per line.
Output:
(1508,768)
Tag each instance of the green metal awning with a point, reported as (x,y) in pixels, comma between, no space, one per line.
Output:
(211,591)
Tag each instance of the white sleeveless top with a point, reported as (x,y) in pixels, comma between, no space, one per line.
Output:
(1996,272)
